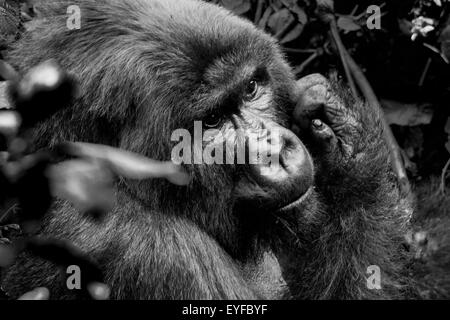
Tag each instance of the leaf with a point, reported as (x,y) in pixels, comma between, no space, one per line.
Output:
(265,18)
(347,24)
(294,7)
(293,34)
(280,20)
(239,7)
(444,39)
(405,26)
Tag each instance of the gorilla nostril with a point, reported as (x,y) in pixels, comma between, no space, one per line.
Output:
(289,175)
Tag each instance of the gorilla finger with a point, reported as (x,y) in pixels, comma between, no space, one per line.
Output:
(310,105)
(10,122)
(308,81)
(7,72)
(129,164)
(323,135)
(36,294)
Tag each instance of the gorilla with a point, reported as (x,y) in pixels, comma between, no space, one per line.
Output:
(308,227)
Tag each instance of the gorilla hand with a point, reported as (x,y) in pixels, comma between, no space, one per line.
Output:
(324,115)
(345,138)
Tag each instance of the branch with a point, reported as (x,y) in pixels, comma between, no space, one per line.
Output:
(443,176)
(258,14)
(341,48)
(299,69)
(394,149)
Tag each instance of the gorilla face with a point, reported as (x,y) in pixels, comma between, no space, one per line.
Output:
(244,108)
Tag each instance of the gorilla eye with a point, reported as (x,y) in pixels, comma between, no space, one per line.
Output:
(251,90)
(212,121)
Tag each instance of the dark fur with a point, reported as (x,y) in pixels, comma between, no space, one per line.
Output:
(141,65)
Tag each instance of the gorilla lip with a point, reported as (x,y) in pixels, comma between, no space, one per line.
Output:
(297,202)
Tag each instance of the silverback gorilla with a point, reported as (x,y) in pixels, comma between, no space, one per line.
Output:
(309,228)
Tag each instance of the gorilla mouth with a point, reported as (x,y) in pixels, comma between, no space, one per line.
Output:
(296,202)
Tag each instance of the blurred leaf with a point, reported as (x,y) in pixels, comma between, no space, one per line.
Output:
(44,90)
(405,26)
(87,184)
(347,24)
(129,164)
(404,114)
(7,72)
(9,122)
(237,6)
(293,34)
(280,20)
(37,294)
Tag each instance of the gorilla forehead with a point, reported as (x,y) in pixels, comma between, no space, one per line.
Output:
(177,38)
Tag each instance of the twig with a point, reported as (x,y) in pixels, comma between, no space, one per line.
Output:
(258,13)
(443,176)
(6,213)
(299,50)
(279,35)
(394,149)
(424,73)
(305,63)
(341,48)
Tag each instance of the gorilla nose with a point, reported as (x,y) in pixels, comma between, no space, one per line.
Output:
(289,172)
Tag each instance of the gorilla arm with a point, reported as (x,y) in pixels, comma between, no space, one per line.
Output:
(363,217)
(184,263)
